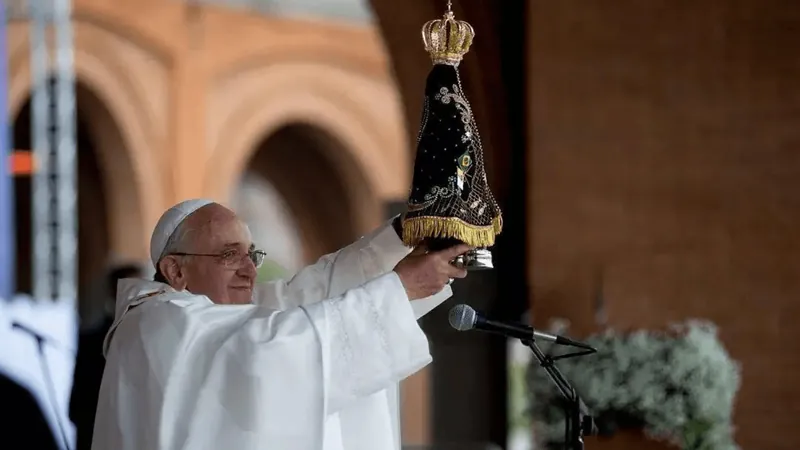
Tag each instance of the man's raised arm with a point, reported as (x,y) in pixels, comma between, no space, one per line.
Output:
(371,256)
(352,345)
(361,342)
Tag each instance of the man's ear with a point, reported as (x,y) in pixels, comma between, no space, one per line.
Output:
(170,267)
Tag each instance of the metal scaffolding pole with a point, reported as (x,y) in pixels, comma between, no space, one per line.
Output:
(66,148)
(53,136)
(40,140)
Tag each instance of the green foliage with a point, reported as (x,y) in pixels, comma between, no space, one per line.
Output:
(270,271)
(678,386)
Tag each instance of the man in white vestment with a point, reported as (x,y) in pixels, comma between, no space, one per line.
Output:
(201,358)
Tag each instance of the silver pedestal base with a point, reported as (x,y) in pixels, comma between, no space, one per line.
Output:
(478,259)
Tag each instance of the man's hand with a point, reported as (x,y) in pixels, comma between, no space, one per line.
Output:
(425,273)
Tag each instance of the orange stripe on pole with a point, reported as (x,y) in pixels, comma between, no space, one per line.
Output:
(21,163)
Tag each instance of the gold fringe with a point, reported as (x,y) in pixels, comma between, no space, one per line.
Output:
(416,229)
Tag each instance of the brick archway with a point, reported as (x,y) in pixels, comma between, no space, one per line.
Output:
(326,195)
(355,110)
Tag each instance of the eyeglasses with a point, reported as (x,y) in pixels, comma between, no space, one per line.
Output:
(232,258)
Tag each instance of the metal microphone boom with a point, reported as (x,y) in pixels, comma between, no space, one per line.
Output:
(578,424)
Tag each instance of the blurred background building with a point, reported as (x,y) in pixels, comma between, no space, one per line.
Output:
(645,155)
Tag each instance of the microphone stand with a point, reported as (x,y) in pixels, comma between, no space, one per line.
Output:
(48,380)
(578,424)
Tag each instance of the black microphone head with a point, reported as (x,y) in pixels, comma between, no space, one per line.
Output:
(462,317)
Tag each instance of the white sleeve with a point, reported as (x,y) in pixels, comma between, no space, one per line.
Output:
(370,340)
(369,257)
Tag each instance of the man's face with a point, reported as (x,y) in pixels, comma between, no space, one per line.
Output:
(228,274)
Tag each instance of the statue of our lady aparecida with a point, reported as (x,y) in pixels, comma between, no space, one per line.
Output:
(450,200)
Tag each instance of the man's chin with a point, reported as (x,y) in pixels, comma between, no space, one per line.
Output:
(241,296)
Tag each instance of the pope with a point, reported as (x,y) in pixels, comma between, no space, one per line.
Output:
(203,358)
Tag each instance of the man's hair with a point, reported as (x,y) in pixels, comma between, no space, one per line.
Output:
(175,243)
(159,277)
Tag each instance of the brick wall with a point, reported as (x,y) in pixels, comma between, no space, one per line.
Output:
(665,156)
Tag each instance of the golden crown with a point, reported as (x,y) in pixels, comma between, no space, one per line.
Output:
(447,40)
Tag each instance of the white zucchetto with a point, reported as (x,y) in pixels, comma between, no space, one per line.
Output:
(168,223)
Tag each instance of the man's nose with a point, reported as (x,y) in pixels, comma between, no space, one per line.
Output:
(248,269)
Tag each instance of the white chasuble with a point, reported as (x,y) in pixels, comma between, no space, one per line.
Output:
(314,364)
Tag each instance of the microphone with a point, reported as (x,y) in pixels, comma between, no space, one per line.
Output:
(464,318)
